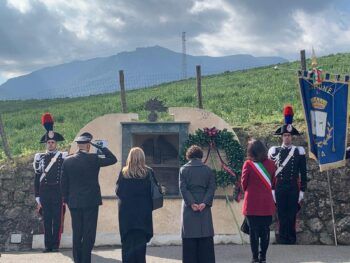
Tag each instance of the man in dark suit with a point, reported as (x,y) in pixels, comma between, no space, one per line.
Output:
(81,191)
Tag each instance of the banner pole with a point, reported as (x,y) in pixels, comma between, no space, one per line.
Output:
(332,211)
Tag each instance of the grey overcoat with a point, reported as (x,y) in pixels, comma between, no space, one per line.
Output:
(197,185)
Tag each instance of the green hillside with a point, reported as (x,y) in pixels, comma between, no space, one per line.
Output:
(242,98)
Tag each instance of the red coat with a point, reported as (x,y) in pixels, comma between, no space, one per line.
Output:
(258,199)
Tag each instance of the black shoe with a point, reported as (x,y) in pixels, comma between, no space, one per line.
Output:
(292,242)
(255,261)
(47,250)
(55,250)
(283,242)
(262,260)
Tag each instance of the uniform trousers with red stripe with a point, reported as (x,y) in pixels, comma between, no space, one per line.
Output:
(287,208)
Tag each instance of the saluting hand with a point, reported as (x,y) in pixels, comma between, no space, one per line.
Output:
(96,145)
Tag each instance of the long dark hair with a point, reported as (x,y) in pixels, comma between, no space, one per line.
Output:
(256,151)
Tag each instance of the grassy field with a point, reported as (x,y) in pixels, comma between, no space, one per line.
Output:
(242,98)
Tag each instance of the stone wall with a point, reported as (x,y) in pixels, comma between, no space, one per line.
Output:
(18,218)
(18,215)
(315,225)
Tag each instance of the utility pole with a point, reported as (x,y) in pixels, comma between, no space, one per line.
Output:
(122,91)
(302,59)
(184,56)
(199,86)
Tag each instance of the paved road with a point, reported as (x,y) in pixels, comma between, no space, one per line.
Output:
(172,254)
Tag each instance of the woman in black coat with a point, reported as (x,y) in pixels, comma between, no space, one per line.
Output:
(135,207)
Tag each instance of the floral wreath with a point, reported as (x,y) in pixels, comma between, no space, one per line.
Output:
(229,173)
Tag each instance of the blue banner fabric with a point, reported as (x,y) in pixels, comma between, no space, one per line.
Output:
(325,106)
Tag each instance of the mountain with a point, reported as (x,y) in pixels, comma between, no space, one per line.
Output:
(142,68)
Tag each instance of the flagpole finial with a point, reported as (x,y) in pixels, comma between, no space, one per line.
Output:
(313,59)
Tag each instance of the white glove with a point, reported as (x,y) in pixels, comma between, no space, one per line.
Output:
(273,196)
(301,196)
(37,199)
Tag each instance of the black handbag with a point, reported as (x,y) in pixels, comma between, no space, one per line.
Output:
(245,226)
(156,192)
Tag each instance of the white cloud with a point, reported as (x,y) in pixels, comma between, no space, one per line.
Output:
(201,6)
(12,74)
(38,33)
(85,18)
(233,36)
(324,29)
(21,5)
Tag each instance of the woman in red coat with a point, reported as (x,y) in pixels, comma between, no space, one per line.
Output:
(258,178)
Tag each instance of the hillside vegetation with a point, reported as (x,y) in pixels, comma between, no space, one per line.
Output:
(242,98)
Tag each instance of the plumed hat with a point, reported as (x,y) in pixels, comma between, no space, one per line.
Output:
(47,122)
(287,127)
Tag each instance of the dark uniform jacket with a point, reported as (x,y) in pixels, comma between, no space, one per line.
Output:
(52,178)
(79,183)
(294,172)
(197,185)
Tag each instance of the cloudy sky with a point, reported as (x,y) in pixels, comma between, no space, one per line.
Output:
(39,33)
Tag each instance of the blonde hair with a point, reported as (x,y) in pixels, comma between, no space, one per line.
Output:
(135,164)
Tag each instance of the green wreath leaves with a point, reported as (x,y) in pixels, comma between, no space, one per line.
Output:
(222,140)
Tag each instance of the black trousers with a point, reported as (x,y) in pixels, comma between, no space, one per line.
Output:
(259,234)
(287,208)
(84,223)
(52,209)
(198,250)
(134,247)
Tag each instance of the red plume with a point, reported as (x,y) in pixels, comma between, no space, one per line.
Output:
(46,118)
(288,110)
(288,114)
(47,121)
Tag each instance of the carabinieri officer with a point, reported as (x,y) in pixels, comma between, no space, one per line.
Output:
(291,178)
(47,167)
(81,191)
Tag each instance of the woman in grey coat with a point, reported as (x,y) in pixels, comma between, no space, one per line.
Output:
(197,187)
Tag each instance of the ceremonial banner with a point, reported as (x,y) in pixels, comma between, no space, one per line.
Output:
(325,104)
